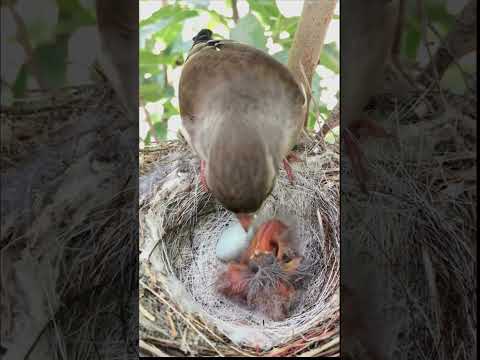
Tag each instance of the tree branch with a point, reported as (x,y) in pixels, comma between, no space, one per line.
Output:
(148,119)
(308,41)
(24,40)
(235,11)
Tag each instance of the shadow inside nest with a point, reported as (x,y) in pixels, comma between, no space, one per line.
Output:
(181,224)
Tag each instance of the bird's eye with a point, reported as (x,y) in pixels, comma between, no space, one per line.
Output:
(286,258)
(253,267)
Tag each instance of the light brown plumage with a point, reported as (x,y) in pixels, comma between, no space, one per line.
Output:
(243,112)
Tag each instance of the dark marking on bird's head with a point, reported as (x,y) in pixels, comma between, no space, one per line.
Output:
(203,36)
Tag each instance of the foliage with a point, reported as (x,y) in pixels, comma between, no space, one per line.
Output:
(51,25)
(263,26)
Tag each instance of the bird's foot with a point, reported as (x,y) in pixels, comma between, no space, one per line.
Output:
(292,157)
(369,128)
(203,179)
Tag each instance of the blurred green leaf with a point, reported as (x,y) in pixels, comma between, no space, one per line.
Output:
(51,62)
(267,10)
(316,87)
(73,15)
(154,91)
(160,128)
(216,17)
(330,57)
(40,19)
(411,41)
(164,13)
(169,110)
(20,85)
(312,120)
(148,58)
(249,31)
(281,56)
(169,15)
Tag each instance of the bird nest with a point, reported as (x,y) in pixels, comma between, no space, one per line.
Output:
(180,225)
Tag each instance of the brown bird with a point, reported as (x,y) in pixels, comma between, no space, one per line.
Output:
(263,278)
(243,111)
(366,48)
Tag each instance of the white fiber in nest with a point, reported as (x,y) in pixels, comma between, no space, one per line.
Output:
(188,252)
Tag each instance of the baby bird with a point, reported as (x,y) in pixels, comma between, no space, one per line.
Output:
(264,277)
(243,111)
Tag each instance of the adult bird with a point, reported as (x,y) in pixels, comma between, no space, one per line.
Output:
(243,112)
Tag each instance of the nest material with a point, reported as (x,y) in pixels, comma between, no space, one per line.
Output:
(422,187)
(180,226)
(66,195)
(412,239)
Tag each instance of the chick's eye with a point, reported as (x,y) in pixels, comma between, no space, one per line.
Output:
(253,267)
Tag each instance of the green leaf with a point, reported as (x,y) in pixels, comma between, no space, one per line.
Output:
(316,87)
(51,63)
(267,10)
(169,14)
(148,58)
(163,13)
(73,15)
(160,128)
(281,56)
(169,110)
(216,17)
(330,57)
(153,91)
(312,120)
(248,30)
(20,84)
(411,41)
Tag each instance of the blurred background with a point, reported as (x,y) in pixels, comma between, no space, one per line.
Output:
(43,45)
(48,44)
(166,32)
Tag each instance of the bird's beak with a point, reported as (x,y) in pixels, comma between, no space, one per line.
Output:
(245,220)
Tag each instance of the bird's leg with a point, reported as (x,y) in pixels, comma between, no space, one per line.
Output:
(354,152)
(369,127)
(203,179)
(288,169)
(356,158)
(291,157)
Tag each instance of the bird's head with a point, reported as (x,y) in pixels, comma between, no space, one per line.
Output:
(240,170)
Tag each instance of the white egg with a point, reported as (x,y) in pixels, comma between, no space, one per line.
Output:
(233,242)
